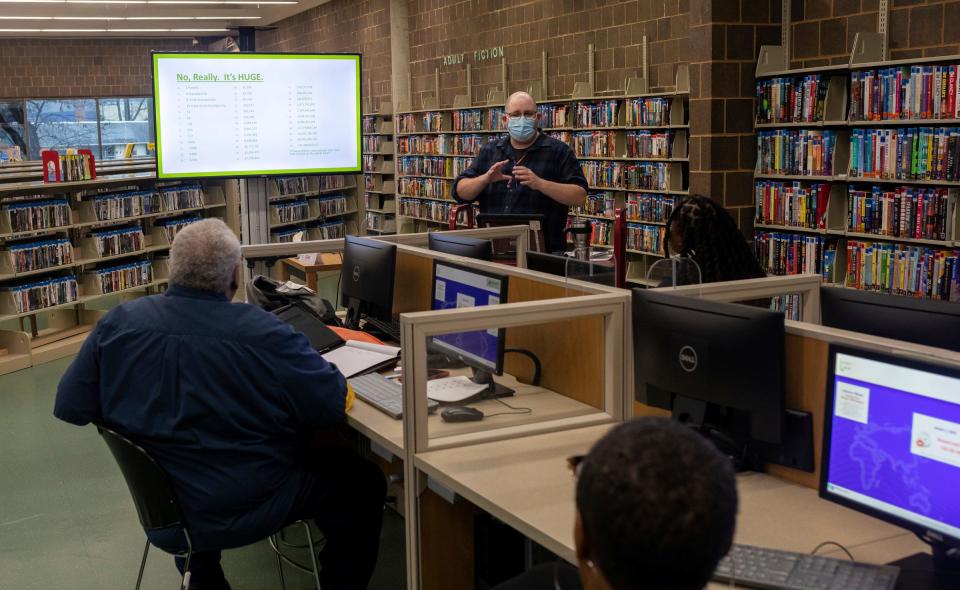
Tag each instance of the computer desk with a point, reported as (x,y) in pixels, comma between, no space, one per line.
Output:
(527,484)
(543,403)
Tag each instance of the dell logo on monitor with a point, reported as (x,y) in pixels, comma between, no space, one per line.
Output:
(356,273)
(688,359)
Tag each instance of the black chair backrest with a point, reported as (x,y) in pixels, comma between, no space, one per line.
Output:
(150,486)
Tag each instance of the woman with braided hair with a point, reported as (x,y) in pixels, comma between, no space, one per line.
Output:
(704,231)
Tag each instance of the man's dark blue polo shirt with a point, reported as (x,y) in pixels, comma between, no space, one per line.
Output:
(548,158)
(220,394)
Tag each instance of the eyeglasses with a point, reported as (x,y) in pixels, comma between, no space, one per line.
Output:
(575,463)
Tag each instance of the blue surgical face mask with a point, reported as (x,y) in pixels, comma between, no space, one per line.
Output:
(522,128)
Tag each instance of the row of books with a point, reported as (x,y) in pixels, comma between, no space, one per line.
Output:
(372,143)
(332,205)
(470,120)
(646,238)
(432,121)
(596,114)
(118,241)
(38,255)
(171,227)
(915,153)
(38,295)
(434,188)
(646,176)
(120,205)
(914,92)
(790,254)
(381,222)
(596,144)
(790,305)
(432,210)
(791,203)
(601,232)
(370,163)
(647,111)
(369,125)
(37,215)
(459,145)
(598,204)
(564,136)
(289,211)
(323,231)
(372,183)
(290,185)
(74,167)
(904,270)
(648,207)
(905,212)
(125,276)
(796,152)
(407,123)
(333,181)
(791,99)
(553,115)
(432,166)
(648,144)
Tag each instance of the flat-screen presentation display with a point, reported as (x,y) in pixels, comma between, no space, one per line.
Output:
(256,114)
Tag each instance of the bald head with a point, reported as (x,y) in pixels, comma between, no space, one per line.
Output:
(520,102)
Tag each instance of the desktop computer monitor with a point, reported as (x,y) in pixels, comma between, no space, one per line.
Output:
(571,268)
(461,246)
(456,286)
(923,321)
(718,366)
(891,449)
(366,279)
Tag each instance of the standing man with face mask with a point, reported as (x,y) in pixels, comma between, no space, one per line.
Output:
(526,172)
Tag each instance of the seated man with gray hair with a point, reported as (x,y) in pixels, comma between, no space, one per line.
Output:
(224,397)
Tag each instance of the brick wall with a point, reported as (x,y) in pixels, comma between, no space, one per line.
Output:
(64,68)
(526,28)
(342,26)
(725,40)
(823,30)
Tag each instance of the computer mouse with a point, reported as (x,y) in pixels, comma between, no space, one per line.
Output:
(461,414)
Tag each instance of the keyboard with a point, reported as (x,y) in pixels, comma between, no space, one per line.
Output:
(391,329)
(758,567)
(384,394)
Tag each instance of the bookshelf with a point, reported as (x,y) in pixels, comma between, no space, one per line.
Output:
(632,146)
(312,207)
(379,200)
(882,215)
(66,246)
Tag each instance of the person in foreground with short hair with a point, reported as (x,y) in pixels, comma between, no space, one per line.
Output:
(656,510)
(224,397)
(526,172)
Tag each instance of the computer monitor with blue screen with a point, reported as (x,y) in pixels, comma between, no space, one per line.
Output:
(892,450)
(456,286)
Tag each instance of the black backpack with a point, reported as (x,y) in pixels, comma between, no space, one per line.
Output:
(272,295)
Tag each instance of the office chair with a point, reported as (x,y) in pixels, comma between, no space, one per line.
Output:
(158,508)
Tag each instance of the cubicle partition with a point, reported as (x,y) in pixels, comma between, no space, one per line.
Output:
(578,331)
(806,351)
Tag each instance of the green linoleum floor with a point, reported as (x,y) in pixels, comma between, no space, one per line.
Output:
(67,521)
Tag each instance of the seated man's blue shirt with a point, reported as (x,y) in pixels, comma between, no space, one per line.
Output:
(222,395)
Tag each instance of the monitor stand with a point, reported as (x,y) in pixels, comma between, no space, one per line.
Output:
(719,427)
(940,571)
(495,390)
(352,320)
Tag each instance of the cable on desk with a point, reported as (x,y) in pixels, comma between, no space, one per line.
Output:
(835,544)
(519,410)
(536,362)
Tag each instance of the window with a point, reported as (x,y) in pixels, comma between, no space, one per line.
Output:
(12,126)
(123,121)
(61,124)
